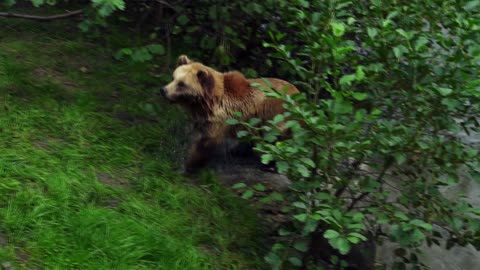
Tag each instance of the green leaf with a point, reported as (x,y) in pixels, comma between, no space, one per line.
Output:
(360,74)
(275,196)
(343,107)
(304,3)
(359,96)
(421,224)
(406,35)
(400,158)
(247,194)
(471,5)
(126,51)
(338,28)
(295,261)
(399,51)
(347,79)
(310,226)
(259,187)
(372,32)
(301,217)
(237,114)
(301,245)
(376,112)
(141,55)
(444,91)
(37,3)
(300,205)
(331,234)
(183,19)
(359,236)
(212,12)
(417,236)
(401,216)
(450,103)
(156,49)
(274,261)
(304,171)
(308,162)
(342,244)
(278,118)
(353,240)
(282,166)
(232,121)
(358,217)
(254,121)
(242,133)
(360,115)
(420,43)
(323,196)
(84,26)
(239,185)
(270,138)
(266,158)
(315,17)
(9,3)
(255,84)
(119,4)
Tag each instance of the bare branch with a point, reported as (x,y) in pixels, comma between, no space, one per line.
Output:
(165,3)
(42,18)
(379,179)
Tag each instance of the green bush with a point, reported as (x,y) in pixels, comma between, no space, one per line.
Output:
(371,160)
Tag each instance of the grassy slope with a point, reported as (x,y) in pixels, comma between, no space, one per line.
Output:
(81,187)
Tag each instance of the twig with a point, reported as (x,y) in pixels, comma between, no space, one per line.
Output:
(42,18)
(387,164)
(165,3)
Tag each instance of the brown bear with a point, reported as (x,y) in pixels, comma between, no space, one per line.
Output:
(213,97)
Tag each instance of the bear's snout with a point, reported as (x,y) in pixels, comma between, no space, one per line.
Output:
(163,91)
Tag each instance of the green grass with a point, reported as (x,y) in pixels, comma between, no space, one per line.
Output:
(88,166)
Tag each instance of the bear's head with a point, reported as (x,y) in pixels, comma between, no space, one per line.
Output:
(192,82)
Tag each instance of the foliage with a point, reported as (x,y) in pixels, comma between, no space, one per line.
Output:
(372,160)
(231,31)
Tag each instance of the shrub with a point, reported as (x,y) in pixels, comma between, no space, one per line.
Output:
(371,160)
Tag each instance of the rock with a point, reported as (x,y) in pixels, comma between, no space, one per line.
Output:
(234,163)
(251,176)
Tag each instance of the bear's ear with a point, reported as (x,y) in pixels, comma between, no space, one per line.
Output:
(206,81)
(183,60)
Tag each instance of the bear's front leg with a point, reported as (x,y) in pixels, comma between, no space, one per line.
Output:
(211,134)
(200,153)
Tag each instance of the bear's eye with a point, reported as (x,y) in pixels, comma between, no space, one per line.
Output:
(181,84)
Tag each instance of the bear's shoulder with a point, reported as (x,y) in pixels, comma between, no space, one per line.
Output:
(235,84)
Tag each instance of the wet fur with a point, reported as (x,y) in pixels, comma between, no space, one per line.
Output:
(212,98)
